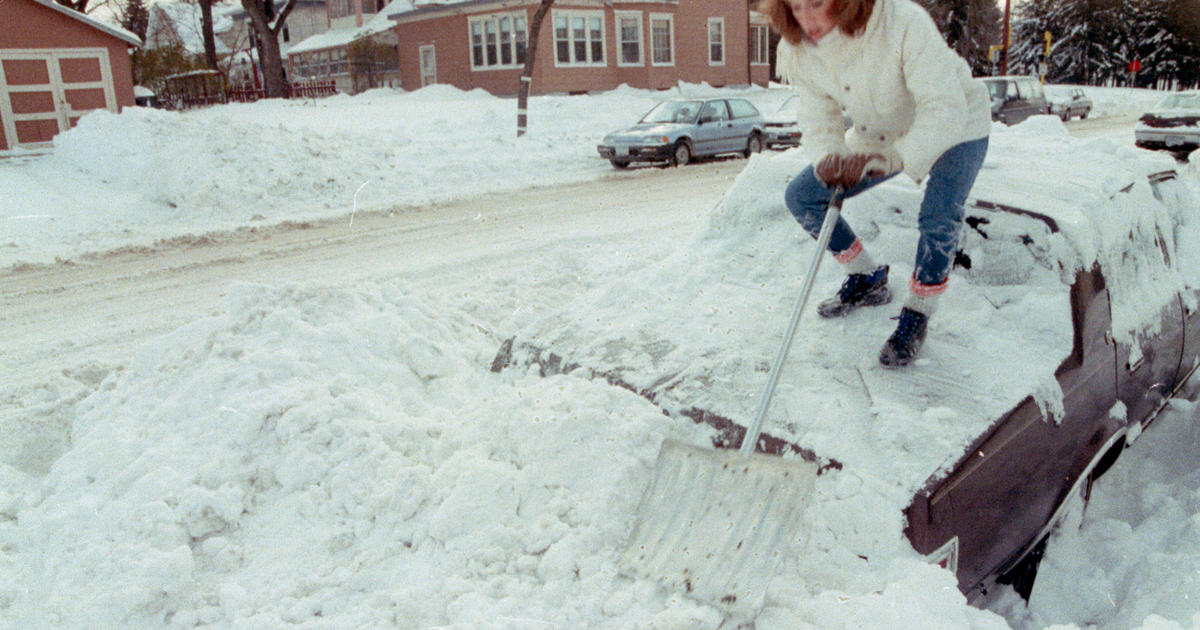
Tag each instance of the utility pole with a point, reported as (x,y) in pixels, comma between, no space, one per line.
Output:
(1007,38)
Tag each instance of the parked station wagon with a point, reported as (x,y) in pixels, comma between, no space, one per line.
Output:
(1074,316)
(678,130)
(1015,98)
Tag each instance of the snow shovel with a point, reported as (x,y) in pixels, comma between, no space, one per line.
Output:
(716,523)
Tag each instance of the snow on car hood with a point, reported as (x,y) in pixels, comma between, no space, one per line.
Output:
(700,328)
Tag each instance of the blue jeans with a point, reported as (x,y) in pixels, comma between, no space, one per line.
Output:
(940,219)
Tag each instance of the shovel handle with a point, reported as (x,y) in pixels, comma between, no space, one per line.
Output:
(750,442)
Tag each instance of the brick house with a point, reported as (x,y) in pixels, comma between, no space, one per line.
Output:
(584,45)
(57,64)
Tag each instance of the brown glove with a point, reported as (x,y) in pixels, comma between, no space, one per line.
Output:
(881,164)
(829,169)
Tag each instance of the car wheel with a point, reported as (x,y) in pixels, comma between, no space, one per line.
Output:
(753,145)
(682,153)
(620,163)
(1065,116)
(1083,115)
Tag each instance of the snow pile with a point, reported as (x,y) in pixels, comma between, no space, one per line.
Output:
(148,175)
(145,175)
(333,456)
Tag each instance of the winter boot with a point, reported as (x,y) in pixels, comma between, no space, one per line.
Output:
(902,347)
(859,289)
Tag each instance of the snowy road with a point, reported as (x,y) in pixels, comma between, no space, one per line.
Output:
(59,319)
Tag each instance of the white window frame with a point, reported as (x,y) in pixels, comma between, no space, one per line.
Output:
(760,44)
(718,22)
(514,43)
(587,16)
(669,18)
(620,34)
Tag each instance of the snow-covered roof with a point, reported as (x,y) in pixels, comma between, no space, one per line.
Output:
(115,31)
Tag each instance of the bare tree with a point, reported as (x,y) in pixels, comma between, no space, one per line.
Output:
(267,26)
(527,74)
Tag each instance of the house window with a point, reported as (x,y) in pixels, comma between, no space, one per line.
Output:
(339,8)
(579,38)
(716,41)
(497,41)
(759,43)
(629,38)
(662,36)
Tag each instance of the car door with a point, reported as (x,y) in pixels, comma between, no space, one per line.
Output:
(1151,365)
(713,128)
(745,116)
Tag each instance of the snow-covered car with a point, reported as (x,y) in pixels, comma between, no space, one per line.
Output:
(1015,98)
(1173,124)
(1074,103)
(782,127)
(1074,316)
(679,130)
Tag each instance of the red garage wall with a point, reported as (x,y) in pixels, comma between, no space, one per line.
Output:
(32,36)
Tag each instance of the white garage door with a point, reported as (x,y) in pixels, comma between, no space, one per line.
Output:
(44,92)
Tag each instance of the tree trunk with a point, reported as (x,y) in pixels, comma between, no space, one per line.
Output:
(270,60)
(527,74)
(206,31)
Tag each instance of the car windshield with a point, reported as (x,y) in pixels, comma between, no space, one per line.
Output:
(1181,101)
(673,111)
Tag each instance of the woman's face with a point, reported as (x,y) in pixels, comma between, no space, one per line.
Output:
(814,16)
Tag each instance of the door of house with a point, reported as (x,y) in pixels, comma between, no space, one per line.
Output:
(44,92)
(428,66)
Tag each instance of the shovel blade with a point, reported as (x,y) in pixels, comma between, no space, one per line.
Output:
(715,524)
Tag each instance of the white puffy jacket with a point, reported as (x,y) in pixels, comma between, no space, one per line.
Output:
(899,83)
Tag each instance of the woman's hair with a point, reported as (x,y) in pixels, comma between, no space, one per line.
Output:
(852,16)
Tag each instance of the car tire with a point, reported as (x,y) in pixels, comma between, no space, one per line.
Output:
(620,163)
(753,145)
(1083,115)
(682,154)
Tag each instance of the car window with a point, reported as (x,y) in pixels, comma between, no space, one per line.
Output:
(997,89)
(673,111)
(714,110)
(742,108)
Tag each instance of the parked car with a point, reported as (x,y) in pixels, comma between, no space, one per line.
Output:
(1074,103)
(1061,345)
(1173,124)
(1015,98)
(782,128)
(679,130)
